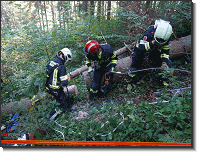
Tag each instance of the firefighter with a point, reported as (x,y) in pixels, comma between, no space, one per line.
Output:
(156,40)
(104,63)
(57,79)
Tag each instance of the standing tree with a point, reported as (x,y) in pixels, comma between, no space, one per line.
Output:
(59,13)
(45,11)
(85,8)
(53,14)
(42,14)
(108,10)
(92,7)
(99,11)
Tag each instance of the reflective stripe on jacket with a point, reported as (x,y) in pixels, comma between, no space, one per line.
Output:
(148,37)
(58,76)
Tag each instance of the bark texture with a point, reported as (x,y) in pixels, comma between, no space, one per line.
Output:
(178,47)
(85,68)
(26,104)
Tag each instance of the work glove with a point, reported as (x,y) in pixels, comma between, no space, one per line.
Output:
(164,65)
(111,70)
(90,70)
(68,75)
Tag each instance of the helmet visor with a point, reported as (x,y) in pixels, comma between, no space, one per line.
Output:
(160,40)
(84,51)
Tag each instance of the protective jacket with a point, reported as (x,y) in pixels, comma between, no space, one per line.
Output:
(103,62)
(56,79)
(148,37)
(56,74)
(105,58)
(157,53)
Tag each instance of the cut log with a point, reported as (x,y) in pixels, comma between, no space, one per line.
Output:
(78,71)
(85,68)
(71,89)
(24,105)
(178,47)
(123,65)
(12,107)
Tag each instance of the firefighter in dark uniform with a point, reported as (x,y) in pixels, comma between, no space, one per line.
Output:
(57,79)
(104,61)
(156,41)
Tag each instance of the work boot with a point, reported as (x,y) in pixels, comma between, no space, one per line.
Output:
(91,98)
(170,86)
(130,77)
(53,115)
(102,92)
(131,80)
(130,87)
(162,82)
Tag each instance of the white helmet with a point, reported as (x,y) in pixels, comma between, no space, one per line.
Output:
(163,33)
(67,54)
(158,22)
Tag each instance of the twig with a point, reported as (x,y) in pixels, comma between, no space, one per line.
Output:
(128,47)
(104,38)
(108,122)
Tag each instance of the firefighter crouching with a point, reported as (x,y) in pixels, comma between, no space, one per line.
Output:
(104,61)
(156,40)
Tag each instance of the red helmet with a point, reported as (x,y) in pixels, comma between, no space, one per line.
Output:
(91,47)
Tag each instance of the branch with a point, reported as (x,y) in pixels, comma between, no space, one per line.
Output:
(104,38)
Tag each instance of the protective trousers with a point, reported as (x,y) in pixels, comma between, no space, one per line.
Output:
(96,89)
(138,59)
(60,97)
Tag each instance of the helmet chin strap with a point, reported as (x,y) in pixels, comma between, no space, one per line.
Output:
(62,57)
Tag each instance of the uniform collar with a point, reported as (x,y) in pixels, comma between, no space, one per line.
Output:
(61,60)
(99,54)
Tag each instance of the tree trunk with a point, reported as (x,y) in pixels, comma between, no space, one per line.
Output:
(38,11)
(85,68)
(178,47)
(108,10)
(53,14)
(45,11)
(25,104)
(147,7)
(92,6)
(64,15)
(59,14)
(99,11)
(75,11)
(85,8)
(42,16)
(103,10)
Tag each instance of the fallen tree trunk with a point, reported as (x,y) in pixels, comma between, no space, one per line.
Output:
(85,68)
(24,105)
(178,47)
(123,65)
